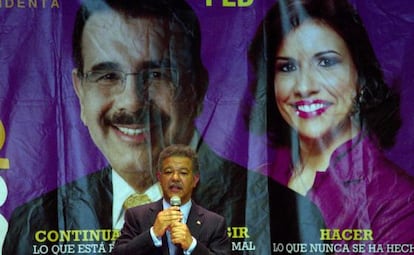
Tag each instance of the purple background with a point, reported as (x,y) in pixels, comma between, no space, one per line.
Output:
(48,146)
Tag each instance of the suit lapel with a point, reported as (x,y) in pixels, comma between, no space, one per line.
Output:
(154,210)
(195,220)
(95,205)
(104,182)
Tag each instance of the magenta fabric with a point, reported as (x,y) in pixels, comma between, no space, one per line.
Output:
(361,189)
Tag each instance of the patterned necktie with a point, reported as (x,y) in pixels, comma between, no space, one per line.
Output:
(135,200)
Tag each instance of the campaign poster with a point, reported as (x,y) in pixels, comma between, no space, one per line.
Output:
(61,194)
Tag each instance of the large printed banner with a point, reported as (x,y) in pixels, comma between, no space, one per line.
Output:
(300,112)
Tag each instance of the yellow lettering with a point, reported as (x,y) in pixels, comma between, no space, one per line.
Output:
(238,232)
(368,234)
(246,3)
(64,236)
(347,234)
(94,235)
(325,234)
(53,236)
(76,235)
(336,235)
(106,235)
(4,162)
(38,234)
(228,3)
(115,234)
(85,234)
(356,235)
(243,232)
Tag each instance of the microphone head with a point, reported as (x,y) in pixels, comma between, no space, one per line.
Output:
(175,201)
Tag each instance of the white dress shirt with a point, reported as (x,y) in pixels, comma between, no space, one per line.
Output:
(121,191)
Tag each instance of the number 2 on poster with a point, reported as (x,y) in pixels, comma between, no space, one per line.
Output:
(4,162)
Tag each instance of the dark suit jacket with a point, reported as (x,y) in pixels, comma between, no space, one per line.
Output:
(207,227)
(86,203)
(244,198)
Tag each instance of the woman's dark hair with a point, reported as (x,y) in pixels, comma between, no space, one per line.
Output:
(377,104)
(183,28)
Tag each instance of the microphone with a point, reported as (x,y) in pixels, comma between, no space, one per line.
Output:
(175,201)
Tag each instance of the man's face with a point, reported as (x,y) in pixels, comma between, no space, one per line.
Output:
(130,117)
(176,177)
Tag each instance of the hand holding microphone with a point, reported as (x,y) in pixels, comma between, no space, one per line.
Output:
(168,216)
(180,234)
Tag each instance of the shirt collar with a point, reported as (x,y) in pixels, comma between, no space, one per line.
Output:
(121,191)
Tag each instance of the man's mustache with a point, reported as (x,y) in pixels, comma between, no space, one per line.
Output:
(178,185)
(139,117)
(144,116)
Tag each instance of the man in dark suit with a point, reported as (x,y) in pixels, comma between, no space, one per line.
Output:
(141,84)
(177,226)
